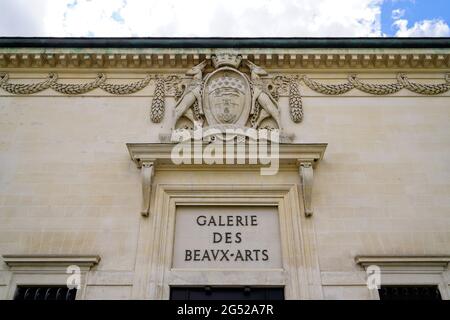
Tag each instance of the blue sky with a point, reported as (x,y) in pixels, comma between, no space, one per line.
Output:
(414,11)
(238,18)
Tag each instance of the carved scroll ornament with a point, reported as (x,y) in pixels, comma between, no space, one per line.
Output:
(306,179)
(147,172)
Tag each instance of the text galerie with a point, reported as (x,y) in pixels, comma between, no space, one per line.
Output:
(229,146)
(226,255)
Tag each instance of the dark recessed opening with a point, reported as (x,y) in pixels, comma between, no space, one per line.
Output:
(226,293)
(45,293)
(427,292)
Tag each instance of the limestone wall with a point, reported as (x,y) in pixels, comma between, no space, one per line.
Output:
(68,186)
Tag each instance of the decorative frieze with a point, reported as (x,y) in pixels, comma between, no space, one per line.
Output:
(280,85)
(170,82)
(294,58)
(272,86)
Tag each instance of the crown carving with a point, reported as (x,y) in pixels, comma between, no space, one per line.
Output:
(226,82)
(226,59)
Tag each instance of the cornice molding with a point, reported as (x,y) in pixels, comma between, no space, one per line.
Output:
(157,58)
(148,156)
(18,261)
(161,153)
(403,261)
(224,42)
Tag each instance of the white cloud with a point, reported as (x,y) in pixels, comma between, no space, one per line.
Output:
(398,13)
(251,18)
(424,28)
(19,18)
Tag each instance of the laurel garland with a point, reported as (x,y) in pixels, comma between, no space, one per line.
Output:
(378,89)
(74,89)
(158,105)
(280,84)
(295,102)
(329,89)
(426,89)
(120,89)
(283,84)
(26,88)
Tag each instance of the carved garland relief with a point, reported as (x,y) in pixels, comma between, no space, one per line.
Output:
(225,96)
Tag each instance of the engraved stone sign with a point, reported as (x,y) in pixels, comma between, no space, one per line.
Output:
(208,237)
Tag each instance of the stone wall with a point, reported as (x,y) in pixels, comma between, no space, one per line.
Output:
(68,186)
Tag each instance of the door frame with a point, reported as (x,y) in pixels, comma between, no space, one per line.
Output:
(300,275)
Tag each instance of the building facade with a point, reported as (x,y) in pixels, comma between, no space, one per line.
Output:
(183,168)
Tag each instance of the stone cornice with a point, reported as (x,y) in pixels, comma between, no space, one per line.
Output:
(161,59)
(289,154)
(403,261)
(224,42)
(18,261)
(149,156)
(171,85)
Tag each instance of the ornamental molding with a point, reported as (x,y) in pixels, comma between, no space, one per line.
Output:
(14,261)
(156,154)
(285,85)
(282,85)
(150,156)
(405,263)
(169,81)
(226,97)
(279,85)
(263,89)
(182,58)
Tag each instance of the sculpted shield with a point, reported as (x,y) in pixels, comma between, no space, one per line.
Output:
(227,98)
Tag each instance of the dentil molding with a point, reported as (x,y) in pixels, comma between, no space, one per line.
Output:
(138,58)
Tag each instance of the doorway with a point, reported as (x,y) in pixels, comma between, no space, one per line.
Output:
(226,293)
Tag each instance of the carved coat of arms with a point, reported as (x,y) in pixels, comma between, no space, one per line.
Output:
(226,97)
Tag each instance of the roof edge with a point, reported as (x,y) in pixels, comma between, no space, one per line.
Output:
(216,42)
